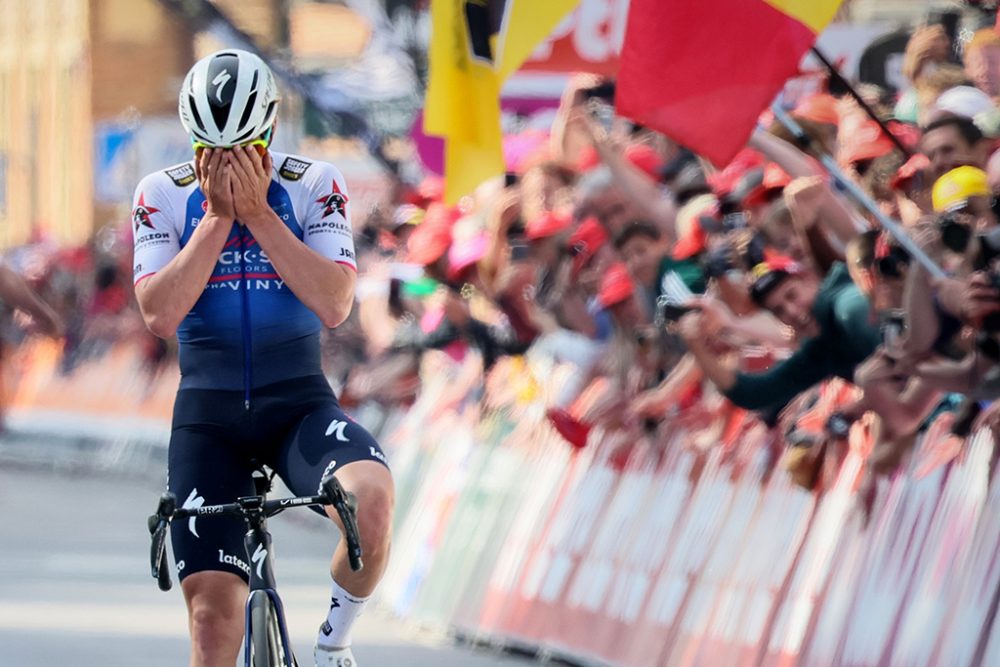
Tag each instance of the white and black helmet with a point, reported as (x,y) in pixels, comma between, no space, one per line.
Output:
(228,98)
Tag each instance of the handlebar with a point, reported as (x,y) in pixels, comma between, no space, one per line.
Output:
(252,508)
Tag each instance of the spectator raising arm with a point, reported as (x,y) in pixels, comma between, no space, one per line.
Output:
(836,216)
(634,183)
(757,391)
(16,292)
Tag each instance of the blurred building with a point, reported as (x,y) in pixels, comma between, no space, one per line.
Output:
(63,65)
(70,66)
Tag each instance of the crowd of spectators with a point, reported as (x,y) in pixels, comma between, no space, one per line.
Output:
(617,251)
(89,291)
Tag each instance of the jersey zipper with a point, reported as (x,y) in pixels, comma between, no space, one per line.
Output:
(245,321)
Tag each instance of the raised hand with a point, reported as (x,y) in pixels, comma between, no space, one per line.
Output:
(215,176)
(250,182)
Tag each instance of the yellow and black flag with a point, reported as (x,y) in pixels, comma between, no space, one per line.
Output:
(475,46)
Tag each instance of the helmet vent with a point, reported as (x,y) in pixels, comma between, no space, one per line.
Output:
(249,108)
(194,112)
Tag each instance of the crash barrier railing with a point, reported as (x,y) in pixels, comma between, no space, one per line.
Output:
(657,552)
(689,547)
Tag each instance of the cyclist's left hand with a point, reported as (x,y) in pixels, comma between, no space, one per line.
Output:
(251,180)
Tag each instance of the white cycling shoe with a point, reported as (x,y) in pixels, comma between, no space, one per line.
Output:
(334,657)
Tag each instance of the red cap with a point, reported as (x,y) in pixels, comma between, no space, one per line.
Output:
(905,173)
(725,181)
(430,189)
(549,223)
(692,238)
(646,159)
(428,243)
(863,140)
(616,286)
(819,108)
(588,238)
(767,275)
(775,178)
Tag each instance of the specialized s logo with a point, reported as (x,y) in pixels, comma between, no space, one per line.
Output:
(194,501)
(220,80)
(258,557)
(335,201)
(336,428)
(141,213)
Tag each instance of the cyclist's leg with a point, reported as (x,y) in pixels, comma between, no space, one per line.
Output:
(327,440)
(216,617)
(205,469)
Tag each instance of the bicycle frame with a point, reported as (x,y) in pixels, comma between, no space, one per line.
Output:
(257,543)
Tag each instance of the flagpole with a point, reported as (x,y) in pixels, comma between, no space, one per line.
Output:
(835,73)
(846,184)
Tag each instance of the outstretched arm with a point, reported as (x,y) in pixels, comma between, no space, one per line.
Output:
(16,292)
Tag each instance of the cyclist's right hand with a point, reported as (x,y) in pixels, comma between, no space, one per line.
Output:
(214,174)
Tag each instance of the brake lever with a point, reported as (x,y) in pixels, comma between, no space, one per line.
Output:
(157,525)
(346,505)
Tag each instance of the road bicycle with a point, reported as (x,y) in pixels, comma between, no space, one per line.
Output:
(266,639)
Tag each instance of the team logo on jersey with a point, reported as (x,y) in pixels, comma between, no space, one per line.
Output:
(335,201)
(141,213)
(292,168)
(182,175)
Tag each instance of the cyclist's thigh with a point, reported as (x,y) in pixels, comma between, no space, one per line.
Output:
(205,469)
(323,441)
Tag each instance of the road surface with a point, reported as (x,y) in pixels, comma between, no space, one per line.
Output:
(75,586)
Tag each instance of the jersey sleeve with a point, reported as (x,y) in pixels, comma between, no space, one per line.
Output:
(327,228)
(154,235)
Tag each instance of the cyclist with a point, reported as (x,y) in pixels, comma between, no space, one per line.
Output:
(246,254)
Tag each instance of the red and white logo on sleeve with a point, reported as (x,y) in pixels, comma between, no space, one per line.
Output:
(141,213)
(335,201)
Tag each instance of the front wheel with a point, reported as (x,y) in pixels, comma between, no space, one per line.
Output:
(266,647)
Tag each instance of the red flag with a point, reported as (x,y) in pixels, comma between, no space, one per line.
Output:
(701,72)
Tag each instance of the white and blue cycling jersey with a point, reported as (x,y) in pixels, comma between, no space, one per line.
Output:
(247,330)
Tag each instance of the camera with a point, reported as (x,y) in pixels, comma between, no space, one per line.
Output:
(838,426)
(667,311)
(955,234)
(892,265)
(891,326)
(519,252)
(604,91)
(674,295)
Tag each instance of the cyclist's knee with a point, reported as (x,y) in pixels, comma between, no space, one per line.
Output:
(215,609)
(371,484)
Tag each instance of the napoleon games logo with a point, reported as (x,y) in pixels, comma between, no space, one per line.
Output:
(141,213)
(335,201)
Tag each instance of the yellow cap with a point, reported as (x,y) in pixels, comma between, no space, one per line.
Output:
(954,188)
